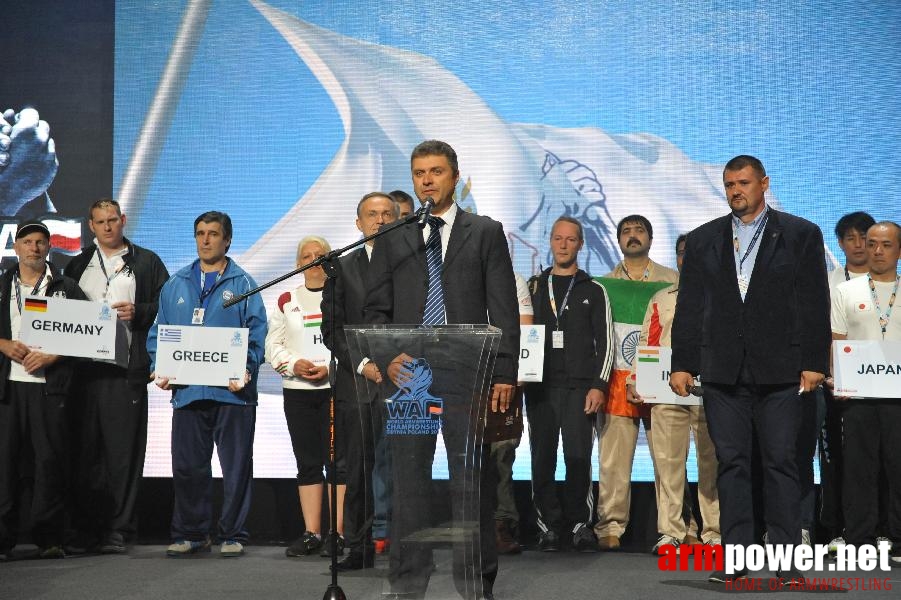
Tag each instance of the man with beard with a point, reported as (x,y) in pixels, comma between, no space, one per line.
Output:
(619,421)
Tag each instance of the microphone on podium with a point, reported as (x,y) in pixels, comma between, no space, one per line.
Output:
(427,205)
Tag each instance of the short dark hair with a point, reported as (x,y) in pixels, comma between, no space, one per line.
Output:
(746,160)
(104,203)
(377,195)
(859,220)
(635,219)
(889,224)
(402,196)
(568,219)
(214,216)
(436,148)
(683,237)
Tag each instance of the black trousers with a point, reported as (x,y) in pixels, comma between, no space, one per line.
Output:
(872,440)
(308,419)
(771,414)
(109,435)
(550,411)
(363,426)
(831,459)
(33,431)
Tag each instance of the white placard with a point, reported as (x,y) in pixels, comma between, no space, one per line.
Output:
(69,327)
(867,368)
(314,348)
(531,353)
(191,355)
(652,371)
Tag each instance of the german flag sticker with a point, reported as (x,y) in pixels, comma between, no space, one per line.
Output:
(35,304)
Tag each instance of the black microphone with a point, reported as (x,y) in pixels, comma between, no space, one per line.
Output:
(426,211)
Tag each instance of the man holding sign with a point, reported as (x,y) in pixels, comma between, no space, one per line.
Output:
(673,424)
(110,406)
(207,414)
(33,397)
(862,310)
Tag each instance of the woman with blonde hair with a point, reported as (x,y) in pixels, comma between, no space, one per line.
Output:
(295,350)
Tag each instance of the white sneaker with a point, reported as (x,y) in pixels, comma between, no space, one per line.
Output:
(665,540)
(835,543)
(714,541)
(805,537)
(231,548)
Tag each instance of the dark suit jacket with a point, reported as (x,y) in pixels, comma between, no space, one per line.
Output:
(348,288)
(477,274)
(782,327)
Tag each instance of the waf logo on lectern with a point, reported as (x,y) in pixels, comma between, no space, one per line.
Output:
(412,410)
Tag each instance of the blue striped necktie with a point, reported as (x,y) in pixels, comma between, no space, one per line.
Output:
(434,300)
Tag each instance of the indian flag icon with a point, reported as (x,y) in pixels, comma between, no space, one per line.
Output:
(314,320)
(649,355)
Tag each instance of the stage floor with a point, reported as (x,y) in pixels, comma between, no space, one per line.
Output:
(265,572)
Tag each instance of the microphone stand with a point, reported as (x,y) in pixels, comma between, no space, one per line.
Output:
(334,591)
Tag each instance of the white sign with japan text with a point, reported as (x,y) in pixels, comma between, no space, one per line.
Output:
(867,369)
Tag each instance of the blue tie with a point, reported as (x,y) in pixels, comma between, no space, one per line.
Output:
(434,300)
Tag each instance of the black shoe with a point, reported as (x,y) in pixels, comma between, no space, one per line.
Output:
(722,577)
(82,543)
(51,552)
(356,560)
(326,550)
(790,575)
(308,543)
(113,544)
(548,541)
(584,540)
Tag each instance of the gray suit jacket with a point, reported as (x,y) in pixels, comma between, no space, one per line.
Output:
(477,274)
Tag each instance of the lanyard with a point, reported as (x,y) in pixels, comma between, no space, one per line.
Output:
(105,275)
(847,275)
(550,289)
(37,287)
(741,262)
(883,317)
(647,272)
(205,293)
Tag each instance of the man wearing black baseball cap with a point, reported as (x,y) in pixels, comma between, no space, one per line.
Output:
(33,391)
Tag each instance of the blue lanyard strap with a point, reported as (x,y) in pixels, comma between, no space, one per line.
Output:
(205,292)
(741,262)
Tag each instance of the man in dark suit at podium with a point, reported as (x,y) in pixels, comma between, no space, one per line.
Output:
(752,319)
(456,270)
(346,289)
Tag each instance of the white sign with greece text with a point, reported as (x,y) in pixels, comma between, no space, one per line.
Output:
(531,353)
(652,370)
(191,355)
(68,327)
(867,369)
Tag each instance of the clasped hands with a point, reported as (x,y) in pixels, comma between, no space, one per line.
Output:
(31,360)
